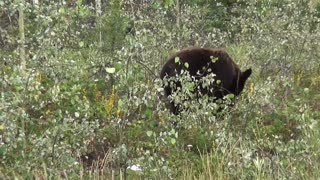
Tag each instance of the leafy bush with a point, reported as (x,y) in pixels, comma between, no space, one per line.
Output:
(90,104)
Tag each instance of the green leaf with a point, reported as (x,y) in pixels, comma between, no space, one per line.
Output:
(148,113)
(61,10)
(81,43)
(120,104)
(168,3)
(2,127)
(173,141)
(186,65)
(229,96)
(149,133)
(118,66)
(18,88)
(189,86)
(177,60)
(111,70)
(213,59)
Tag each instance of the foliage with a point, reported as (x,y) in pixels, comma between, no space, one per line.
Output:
(90,103)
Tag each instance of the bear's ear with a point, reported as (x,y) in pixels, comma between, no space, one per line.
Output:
(242,80)
(246,74)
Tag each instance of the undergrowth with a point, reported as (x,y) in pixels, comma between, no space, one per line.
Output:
(90,103)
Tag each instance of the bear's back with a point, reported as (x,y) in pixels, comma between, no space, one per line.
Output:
(199,60)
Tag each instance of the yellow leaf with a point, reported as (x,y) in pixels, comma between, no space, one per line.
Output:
(251,87)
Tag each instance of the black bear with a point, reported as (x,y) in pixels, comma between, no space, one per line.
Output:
(200,62)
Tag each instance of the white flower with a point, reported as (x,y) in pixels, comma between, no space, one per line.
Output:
(135,167)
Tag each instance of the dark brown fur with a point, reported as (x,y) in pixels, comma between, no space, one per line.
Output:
(199,61)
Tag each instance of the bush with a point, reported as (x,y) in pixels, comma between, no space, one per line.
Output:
(90,104)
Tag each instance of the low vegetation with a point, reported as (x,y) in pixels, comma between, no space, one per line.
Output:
(81,97)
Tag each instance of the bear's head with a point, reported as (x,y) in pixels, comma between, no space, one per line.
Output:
(241,80)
